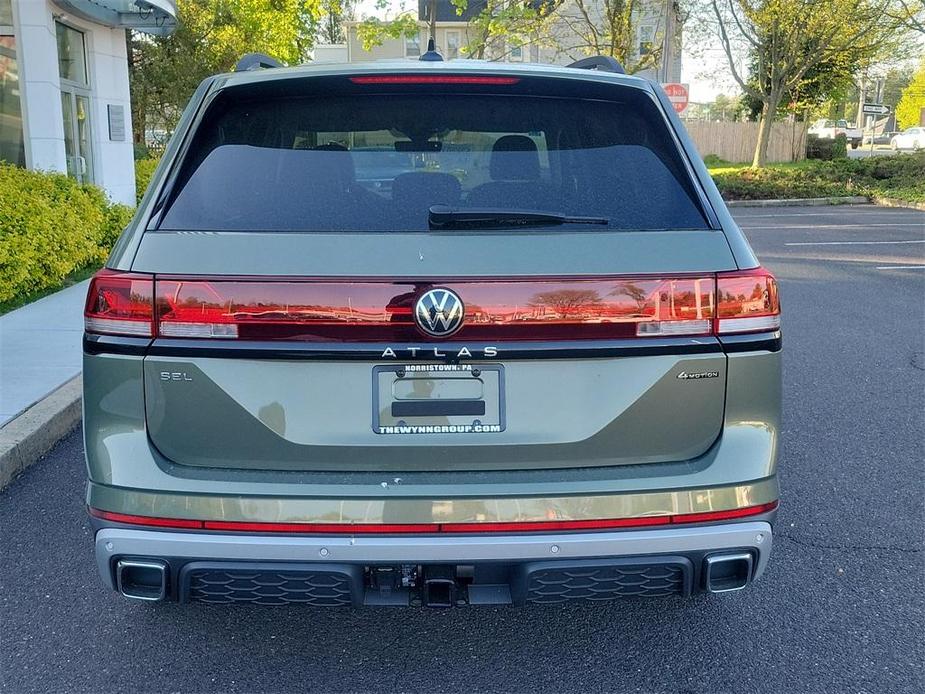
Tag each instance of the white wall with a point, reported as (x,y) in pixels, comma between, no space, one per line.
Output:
(113,162)
(40,88)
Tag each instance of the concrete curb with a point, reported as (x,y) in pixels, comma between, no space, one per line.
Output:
(29,436)
(893,202)
(800,202)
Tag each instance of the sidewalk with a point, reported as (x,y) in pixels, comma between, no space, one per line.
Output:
(40,349)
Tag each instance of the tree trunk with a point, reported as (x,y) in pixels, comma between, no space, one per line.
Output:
(768,111)
(136,109)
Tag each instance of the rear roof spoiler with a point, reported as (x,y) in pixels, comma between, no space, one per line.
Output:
(604,63)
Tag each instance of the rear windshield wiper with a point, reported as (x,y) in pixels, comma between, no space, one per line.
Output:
(445,217)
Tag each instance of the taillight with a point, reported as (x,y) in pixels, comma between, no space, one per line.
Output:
(545,309)
(746,302)
(120,303)
(125,303)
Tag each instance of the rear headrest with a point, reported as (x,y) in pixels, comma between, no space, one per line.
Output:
(420,190)
(514,158)
(341,160)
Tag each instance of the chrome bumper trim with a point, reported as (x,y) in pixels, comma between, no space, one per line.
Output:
(112,542)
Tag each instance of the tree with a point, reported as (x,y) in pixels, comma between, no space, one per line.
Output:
(910,109)
(333,14)
(789,39)
(373,31)
(210,38)
(911,13)
(632,31)
(725,108)
(495,27)
(501,26)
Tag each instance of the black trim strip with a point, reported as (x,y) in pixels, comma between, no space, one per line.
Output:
(115,344)
(753,342)
(444,351)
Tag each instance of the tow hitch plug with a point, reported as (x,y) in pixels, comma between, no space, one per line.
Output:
(440,588)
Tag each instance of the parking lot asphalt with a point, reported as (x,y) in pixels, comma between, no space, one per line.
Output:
(841,608)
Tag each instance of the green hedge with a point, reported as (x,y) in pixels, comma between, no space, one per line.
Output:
(144,170)
(900,176)
(50,227)
(826,148)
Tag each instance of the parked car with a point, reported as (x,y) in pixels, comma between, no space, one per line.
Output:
(829,129)
(910,138)
(883,138)
(557,377)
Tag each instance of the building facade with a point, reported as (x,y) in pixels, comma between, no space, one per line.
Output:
(64,86)
(561,41)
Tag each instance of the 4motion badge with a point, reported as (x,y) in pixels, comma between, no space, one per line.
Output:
(695,375)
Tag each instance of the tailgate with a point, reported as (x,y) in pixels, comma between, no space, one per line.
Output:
(330,373)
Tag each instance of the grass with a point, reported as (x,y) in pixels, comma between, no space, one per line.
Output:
(901,177)
(21,300)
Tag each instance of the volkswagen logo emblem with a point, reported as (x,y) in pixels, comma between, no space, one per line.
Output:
(439,312)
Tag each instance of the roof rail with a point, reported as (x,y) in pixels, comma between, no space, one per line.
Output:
(255,61)
(604,63)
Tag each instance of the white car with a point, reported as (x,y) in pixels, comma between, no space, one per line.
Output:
(830,129)
(910,138)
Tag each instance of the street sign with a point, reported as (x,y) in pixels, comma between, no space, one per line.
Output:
(875,110)
(677,95)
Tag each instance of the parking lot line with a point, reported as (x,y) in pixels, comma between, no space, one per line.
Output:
(828,226)
(849,243)
(901,267)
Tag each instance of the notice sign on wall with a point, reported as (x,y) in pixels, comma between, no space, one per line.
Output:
(116,122)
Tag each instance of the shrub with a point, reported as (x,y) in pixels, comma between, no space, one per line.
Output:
(825,148)
(901,176)
(51,226)
(144,170)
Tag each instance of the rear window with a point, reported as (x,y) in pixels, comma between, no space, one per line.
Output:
(378,162)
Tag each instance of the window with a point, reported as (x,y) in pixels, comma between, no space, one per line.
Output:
(517,53)
(72,54)
(413,46)
(452,45)
(365,162)
(12,147)
(646,39)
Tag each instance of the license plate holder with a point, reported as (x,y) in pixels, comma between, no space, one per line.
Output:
(438,399)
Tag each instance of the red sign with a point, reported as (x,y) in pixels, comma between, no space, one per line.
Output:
(677,94)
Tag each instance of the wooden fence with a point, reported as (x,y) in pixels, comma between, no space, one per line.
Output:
(735,142)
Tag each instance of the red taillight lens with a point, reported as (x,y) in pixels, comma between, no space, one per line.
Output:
(430,528)
(434,79)
(120,303)
(548,309)
(747,302)
(123,303)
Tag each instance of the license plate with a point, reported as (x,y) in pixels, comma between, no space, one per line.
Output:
(416,399)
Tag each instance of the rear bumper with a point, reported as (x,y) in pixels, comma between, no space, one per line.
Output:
(499,569)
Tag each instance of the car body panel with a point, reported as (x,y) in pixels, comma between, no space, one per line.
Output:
(433,255)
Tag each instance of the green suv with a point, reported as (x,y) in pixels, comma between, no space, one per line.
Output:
(431,333)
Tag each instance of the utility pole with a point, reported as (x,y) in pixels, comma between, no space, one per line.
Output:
(668,42)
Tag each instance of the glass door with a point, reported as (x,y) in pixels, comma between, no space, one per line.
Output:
(75,109)
(75,101)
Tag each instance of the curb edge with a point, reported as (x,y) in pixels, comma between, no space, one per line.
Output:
(31,434)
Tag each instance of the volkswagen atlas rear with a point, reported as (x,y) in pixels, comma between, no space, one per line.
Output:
(431,334)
